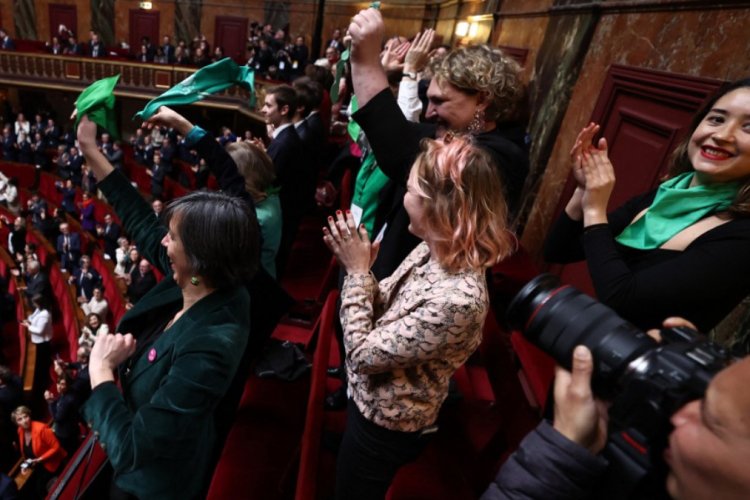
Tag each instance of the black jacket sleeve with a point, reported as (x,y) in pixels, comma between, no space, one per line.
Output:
(564,243)
(223,167)
(394,140)
(547,465)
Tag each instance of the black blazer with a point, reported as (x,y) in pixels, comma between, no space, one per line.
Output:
(293,172)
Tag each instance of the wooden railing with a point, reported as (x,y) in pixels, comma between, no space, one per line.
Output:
(139,80)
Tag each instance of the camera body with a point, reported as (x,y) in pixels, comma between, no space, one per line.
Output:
(647,382)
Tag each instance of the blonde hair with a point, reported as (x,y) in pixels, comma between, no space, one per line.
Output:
(21,410)
(465,210)
(255,166)
(486,70)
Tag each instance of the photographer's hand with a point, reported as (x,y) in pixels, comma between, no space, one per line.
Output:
(578,416)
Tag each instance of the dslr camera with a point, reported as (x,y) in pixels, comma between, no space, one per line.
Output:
(646,381)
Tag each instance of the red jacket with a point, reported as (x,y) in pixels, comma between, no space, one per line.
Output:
(44,444)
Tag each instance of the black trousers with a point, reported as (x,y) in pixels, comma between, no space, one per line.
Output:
(371,455)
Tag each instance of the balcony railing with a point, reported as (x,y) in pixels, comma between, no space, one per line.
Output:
(138,80)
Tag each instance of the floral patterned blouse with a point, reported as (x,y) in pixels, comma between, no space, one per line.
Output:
(406,336)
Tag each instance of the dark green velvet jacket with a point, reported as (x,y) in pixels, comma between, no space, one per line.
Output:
(159,432)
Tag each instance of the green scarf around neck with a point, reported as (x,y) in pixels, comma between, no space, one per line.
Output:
(677,206)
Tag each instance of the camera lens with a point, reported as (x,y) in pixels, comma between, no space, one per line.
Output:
(558,318)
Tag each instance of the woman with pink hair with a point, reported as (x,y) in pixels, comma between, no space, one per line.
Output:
(405,336)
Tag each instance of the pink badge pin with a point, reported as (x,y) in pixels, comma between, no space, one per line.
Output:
(152,355)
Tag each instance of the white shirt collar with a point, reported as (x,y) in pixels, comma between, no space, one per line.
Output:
(278,130)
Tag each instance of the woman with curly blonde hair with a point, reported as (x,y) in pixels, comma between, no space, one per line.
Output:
(406,335)
(475,90)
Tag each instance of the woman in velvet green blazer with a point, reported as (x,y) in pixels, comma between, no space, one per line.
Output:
(179,347)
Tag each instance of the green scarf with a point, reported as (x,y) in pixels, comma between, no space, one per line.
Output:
(676,207)
(98,102)
(204,82)
(340,68)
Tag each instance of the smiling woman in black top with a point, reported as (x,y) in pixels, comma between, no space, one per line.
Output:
(682,249)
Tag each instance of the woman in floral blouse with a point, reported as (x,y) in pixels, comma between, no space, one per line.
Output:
(405,336)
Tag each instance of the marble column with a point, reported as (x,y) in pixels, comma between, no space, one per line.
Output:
(566,42)
(24,17)
(187,19)
(276,14)
(103,20)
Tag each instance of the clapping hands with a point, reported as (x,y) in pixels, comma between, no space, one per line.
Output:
(594,176)
(350,245)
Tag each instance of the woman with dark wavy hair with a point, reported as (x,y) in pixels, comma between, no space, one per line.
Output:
(681,249)
(406,335)
(178,349)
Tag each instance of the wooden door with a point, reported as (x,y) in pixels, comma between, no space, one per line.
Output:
(62,14)
(231,35)
(143,23)
(643,115)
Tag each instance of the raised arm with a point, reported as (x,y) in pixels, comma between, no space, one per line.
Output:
(95,158)
(218,160)
(367,29)
(135,213)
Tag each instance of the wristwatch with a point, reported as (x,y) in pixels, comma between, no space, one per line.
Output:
(412,75)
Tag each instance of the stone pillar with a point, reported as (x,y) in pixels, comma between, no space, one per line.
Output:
(103,21)
(187,20)
(24,18)
(566,42)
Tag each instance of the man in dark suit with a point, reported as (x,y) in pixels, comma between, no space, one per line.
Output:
(167,153)
(7,41)
(299,54)
(96,46)
(288,154)
(116,156)
(37,282)
(307,119)
(168,49)
(109,233)
(150,49)
(68,192)
(85,278)
(157,172)
(74,48)
(73,169)
(106,144)
(336,42)
(51,133)
(10,151)
(142,279)
(68,247)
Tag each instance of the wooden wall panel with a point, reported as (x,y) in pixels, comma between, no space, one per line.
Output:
(66,14)
(231,36)
(165,10)
(143,23)
(526,33)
